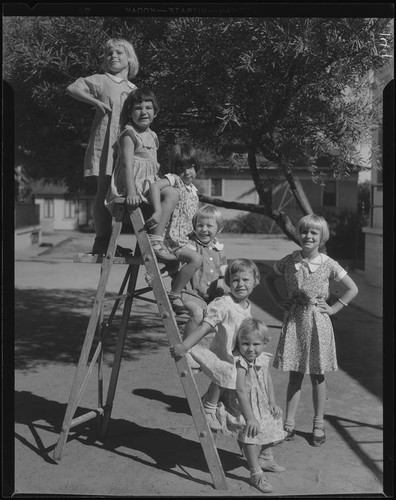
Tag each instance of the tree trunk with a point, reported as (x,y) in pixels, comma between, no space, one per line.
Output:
(278,217)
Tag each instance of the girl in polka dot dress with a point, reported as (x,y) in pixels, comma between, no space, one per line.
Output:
(306,343)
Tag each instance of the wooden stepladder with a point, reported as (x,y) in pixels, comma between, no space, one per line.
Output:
(144,255)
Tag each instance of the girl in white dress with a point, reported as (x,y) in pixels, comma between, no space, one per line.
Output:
(250,412)
(306,343)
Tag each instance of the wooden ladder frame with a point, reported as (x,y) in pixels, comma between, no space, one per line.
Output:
(144,255)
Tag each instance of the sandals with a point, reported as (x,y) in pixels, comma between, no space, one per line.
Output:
(290,433)
(177,304)
(260,481)
(269,465)
(161,252)
(213,423)
(318,440)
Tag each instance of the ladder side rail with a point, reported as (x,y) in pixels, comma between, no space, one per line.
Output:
(183,368)
(92,326)
(134,271)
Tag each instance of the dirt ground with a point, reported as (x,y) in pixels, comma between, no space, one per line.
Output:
(152,448)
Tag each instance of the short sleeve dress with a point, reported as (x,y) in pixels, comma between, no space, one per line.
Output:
(180,225)
(218,362)
(112,91)
(306,343)
(145,165)
(229,411)
(203,284)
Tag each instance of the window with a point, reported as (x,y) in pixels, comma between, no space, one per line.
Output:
(330,194)
(216,187)
(70,209)
(49,208)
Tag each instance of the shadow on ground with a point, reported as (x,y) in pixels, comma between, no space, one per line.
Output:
(358,337)
(50,326)
(165,450)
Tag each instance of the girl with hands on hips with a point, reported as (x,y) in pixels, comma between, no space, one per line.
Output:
(306,343)
(106,92)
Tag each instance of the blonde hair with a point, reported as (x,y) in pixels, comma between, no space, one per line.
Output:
(239,265)
(133,63)
(315,222)
(209,212)
(256,327)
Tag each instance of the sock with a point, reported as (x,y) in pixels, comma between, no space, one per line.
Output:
(318,422)
(155,237)
(210,407)
(289,423)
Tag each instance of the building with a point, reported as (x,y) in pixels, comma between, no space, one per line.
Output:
(59,210)
(381,159)
(326,195)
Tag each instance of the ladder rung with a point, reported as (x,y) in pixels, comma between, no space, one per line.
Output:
(88,258)
(87,416)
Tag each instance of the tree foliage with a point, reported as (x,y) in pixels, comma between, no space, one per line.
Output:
(292,91)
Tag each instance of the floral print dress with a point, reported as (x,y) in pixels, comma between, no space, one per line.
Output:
(229,411)
(306,343)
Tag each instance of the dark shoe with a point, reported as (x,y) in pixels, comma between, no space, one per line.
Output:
(123,252)
(318,440)
(161,252)
(290,433)
(100,245)
(177,304)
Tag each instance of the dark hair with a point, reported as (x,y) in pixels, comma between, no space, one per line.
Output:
(183,156)
(137,97)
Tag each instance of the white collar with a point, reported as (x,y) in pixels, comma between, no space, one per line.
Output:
(215,243)
(312,265)
(119,80)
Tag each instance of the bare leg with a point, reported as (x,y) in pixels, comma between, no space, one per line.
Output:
(293,395)
(319,398)
(251,452)
(101,216)
(196,316)
(169,200)
(193,262)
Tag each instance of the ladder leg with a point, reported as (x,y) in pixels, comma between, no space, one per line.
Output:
(92,326)
(184,370)
(118,354)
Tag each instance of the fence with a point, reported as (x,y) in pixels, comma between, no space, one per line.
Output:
(27,214)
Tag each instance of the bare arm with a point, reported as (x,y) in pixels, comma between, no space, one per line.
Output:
(275,409)
(349,294)
(252,425)
(127,161)
(77,93)
(180,350)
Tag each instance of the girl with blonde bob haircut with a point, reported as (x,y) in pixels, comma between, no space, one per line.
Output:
(133,63)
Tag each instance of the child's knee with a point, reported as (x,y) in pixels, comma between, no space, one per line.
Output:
(171,195)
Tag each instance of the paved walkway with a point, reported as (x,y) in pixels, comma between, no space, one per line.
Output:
(369,298)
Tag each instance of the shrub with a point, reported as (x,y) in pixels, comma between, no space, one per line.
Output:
(251,223)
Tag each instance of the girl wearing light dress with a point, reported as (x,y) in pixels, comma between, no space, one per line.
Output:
(306,343)
(106,92)
(250,412)
(136,167)
(224,316)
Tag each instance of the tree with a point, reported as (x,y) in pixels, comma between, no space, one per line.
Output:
(288,91)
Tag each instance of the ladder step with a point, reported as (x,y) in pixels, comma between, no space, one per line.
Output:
(87,416)
(88,258)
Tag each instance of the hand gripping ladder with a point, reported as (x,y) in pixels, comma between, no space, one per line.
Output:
(144,255)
